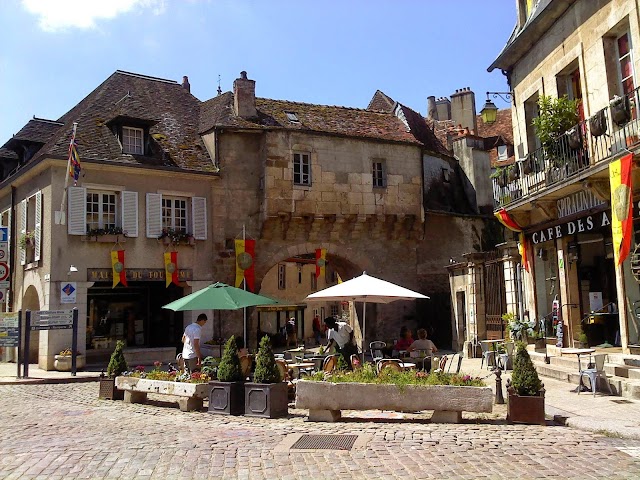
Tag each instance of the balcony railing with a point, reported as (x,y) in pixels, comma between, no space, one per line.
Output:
(604,136)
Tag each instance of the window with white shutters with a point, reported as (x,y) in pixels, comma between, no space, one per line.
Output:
(171,213)
(94,210)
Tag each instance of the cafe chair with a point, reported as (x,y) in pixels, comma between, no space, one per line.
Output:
(180,362)
(245,365)
(390,363)
(355,361)
(376,350)
(507,357)
(330,363)
(459,354)
(420,357)
(487,354)
(597,371)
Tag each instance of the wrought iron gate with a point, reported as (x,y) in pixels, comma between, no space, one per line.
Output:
(496,302)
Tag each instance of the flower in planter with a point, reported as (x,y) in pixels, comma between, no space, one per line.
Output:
(66,352)
(96,232)
(176,236)
(26,239)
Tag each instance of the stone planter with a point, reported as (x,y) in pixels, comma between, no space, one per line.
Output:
(192,394)
(62,363)
(226,398)
(108,390)
(325,400)
(266,400)
(525,409)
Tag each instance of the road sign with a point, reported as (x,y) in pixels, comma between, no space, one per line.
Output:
(4,234)
(4,252)
(51,319)
(4,271)
(9,329)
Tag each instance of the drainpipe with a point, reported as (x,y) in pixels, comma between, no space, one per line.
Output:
(12,249)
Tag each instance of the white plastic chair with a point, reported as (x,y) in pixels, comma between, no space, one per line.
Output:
(376,350)
(504,358)
(594,373)
(487,354)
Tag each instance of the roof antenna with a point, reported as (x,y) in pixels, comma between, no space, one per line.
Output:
(219,89)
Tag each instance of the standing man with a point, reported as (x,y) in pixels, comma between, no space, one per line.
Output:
(191,343)
(340,334)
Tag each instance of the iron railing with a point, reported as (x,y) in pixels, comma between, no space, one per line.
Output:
(604,136)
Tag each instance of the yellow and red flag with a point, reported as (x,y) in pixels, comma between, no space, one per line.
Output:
(621,207)
(321,261)
(117,268)
(505,219)
(245,255)
(171,268)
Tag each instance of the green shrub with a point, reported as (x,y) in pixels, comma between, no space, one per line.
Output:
(117,362)
(266,369)
(556,116)
(229,369)
(342,364)
(525,379)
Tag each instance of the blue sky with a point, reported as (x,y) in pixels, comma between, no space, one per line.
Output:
(55,52)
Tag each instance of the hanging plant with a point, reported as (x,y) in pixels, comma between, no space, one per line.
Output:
(620,110)
(598,123)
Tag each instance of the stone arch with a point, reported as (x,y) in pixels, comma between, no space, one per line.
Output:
(31,301)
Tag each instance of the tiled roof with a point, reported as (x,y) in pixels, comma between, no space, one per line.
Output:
(6,153)
(351,122)
(502,126)
(174,141)
(381,102)
(421,131)
(37,130)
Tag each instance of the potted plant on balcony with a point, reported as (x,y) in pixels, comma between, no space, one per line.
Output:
(525,391)
(557,116)
(513,172)
(117,366)
(500,175)
(620,110)
(27,239)
(267,395)
(227,394)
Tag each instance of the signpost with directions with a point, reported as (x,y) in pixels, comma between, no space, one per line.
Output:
(52,320)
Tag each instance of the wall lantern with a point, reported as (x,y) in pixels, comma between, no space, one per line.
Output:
(489,112)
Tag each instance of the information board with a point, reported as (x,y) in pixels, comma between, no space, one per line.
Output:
(51,319)
(9,333)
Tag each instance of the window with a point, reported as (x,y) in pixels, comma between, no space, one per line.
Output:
(101,211)
(625,63)
(314,282)
(531,111)
(379,174)
(301,169)
(334,310)
(293,118)
(282,276)
(502,152)
(132,140)
(174,214)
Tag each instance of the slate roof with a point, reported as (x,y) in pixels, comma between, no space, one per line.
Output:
(37,130)
(334,120)
(170,110)
(498,133)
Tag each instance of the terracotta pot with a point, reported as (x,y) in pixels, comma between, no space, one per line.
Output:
(525,409)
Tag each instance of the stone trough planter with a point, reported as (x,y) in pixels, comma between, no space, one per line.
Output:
(325,400)
(62,363)
(191,394)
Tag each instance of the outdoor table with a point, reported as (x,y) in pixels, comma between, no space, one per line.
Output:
(577,352)
(493,344)
(300,366)
(407,365)
(291,353)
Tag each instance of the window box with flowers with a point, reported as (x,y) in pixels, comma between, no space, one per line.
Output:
(106,235)
(27,239)
(169,236)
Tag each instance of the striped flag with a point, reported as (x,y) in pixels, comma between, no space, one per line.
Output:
(621,207)
(505,219)
(321,261)
(74,159)
(245,268)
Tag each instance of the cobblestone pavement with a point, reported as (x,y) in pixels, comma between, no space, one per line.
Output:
(63,431)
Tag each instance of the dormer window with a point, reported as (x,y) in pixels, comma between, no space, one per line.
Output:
(293,118)
(502,153)
(133,140)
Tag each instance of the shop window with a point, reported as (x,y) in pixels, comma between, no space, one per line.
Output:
(334,310)
(180,213)
(102,211)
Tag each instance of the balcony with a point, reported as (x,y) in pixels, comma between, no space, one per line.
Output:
(586,148)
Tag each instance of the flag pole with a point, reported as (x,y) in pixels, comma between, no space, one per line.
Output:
(63,212)
(244,284)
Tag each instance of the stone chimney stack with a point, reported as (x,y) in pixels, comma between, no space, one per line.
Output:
(463,109)
(185,84)
(432,111)
(244,97)
(443,108)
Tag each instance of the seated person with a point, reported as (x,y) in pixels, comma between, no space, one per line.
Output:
(405,340)
(422,343)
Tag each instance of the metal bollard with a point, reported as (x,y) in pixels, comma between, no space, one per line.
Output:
(499,398)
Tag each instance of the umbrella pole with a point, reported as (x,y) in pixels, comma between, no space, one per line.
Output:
(364,328)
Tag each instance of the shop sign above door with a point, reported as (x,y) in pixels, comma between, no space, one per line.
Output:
(581,225)
(136,275)
(577,202)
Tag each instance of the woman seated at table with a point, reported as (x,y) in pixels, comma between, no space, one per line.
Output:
(422,343)
(404,342)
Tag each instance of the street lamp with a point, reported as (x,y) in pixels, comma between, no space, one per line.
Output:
(489,112)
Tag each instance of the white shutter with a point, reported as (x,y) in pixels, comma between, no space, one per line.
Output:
(77,211)
(154,215)
(130,213)
(38,227)
(199,215)
(23,230)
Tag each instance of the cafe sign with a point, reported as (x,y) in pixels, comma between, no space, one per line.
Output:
(136,275)
(577,202)
(581,225)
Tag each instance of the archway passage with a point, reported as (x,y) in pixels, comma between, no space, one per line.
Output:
(30,301)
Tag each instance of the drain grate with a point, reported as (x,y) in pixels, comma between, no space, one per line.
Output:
(621,401)
(325,442)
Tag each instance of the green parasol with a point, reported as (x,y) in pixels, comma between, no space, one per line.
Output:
(219,296)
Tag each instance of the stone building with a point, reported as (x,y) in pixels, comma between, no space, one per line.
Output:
(561,198)
(372,187)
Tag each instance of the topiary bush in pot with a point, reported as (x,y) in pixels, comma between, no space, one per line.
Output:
(525,378)
(229,369)
(117,366)
(267,396)
(266,369)
(227,393)
(526,391)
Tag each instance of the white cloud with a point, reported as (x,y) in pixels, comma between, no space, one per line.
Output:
(59,15)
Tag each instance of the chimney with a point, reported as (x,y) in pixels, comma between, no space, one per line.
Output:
(244,97)
(185,84)
(443,108)
(463,108)
(432,111)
